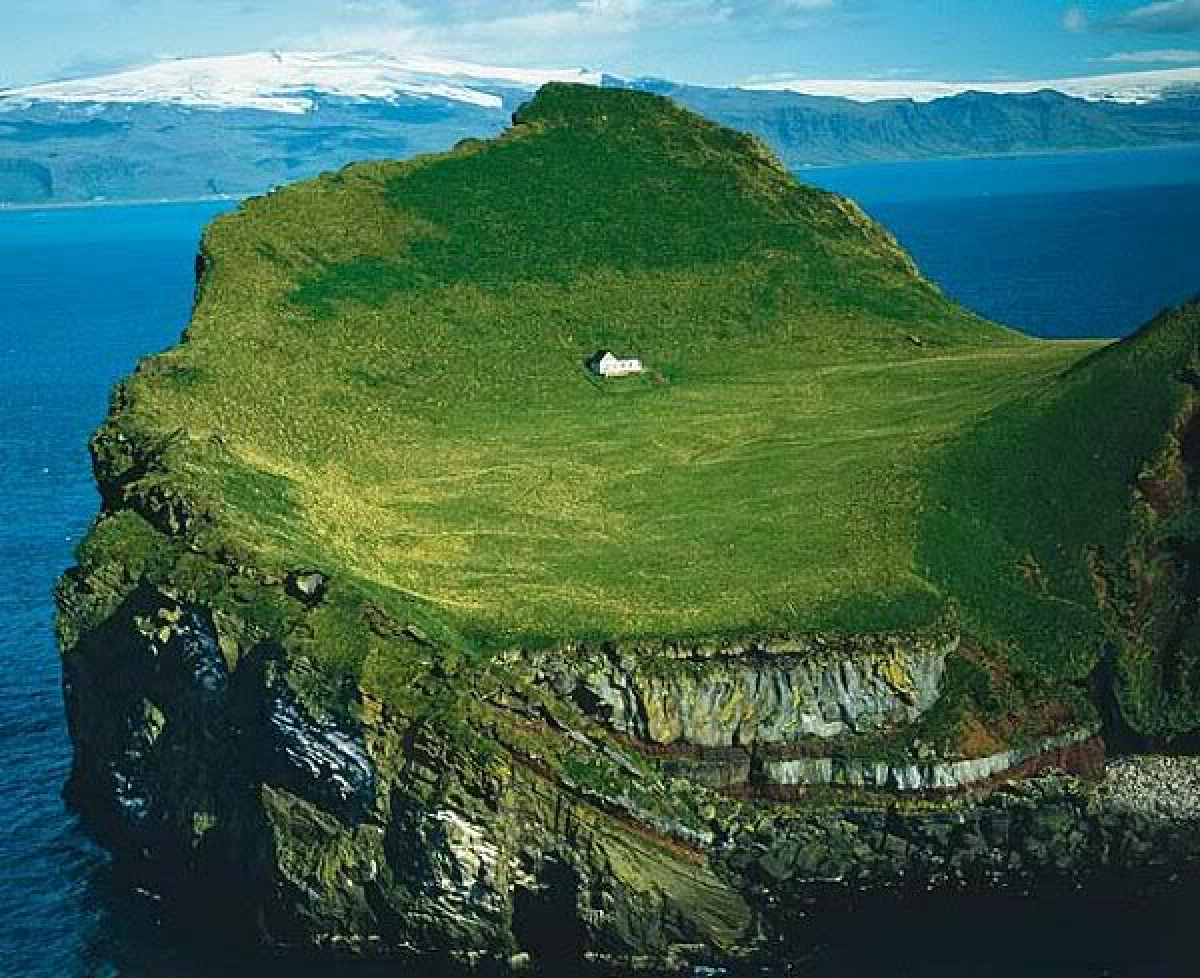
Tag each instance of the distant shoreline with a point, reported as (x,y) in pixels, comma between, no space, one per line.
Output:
(66,205)
(1032,154)
(62,205)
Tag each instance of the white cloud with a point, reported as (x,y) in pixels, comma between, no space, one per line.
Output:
(1164,17)
(529,32)
(544,30)
(1181,56)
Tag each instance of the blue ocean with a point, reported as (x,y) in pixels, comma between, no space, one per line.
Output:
(1088,245)
(1070,245)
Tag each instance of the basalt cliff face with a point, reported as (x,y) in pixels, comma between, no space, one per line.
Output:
(264,724)
(204,761)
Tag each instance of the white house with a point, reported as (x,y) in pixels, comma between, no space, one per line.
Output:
(608,364)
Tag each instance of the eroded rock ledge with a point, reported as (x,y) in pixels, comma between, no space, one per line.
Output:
(748,719)
(1078,751)
(201,757)
(771,692)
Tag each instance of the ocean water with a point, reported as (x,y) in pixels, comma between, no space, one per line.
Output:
(83,294)
(1063,246)
(1070,245)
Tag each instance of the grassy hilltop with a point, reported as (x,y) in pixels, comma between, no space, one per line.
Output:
(384,380)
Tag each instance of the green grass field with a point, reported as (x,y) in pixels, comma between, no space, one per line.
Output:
(384,379)
(783,496)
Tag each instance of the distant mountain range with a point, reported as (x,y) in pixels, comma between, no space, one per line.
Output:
(242,124)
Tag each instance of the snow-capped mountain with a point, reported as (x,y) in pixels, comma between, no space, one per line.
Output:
(275,81)
(1133,87)
(290,82)
(238,125)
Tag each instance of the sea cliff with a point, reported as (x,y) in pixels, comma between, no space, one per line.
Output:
(203,763)
(400,634)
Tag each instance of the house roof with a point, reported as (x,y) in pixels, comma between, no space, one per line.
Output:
(600,356)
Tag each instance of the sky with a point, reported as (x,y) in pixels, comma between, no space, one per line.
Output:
(698,41)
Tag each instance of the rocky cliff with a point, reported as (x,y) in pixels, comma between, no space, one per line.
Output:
(754,694)
(201,757)
(276,716)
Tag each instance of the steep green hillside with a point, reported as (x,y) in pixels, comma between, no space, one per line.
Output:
(401,632)
(384,379)
(1063,523)
(385,376)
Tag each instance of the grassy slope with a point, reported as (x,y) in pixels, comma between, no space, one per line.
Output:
(1021,498)
(1033,513)
(396,352)
(384,379)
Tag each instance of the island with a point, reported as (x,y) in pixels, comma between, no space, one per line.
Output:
(401,633)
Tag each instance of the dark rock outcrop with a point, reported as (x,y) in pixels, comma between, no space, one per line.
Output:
(331,760)
(764,693)
(202,760)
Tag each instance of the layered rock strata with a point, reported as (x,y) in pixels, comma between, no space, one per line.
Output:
(749,718)
(750,694)
(202,759)
(207,761)
(783,777)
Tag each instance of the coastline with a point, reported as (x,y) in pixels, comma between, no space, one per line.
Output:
(70,205)
(800,170)
(899,937)
(1047,154)
(1163,786)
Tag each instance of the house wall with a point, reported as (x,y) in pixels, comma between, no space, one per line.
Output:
(621,368)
